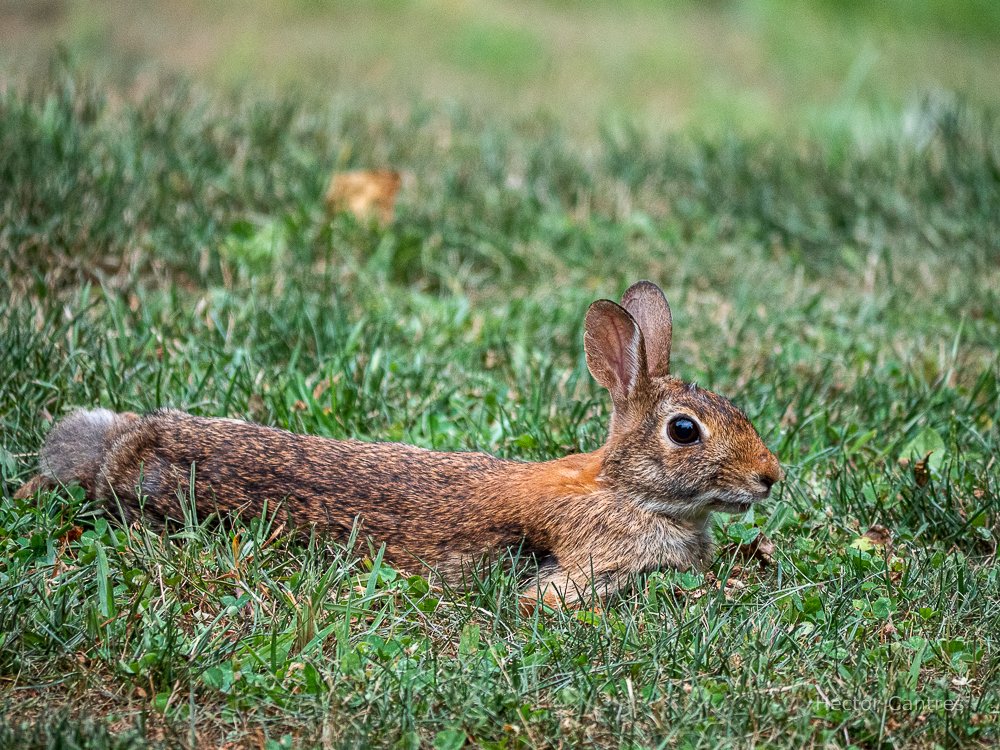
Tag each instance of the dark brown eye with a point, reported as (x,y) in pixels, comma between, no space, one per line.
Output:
(683,431)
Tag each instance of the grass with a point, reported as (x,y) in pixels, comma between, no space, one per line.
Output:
(172,250)
(758,66)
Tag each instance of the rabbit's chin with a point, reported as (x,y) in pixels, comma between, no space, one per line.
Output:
(735,507)
(700,506)
(735,502)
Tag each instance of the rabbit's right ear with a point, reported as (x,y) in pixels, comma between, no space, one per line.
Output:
(616,355)
(646,303)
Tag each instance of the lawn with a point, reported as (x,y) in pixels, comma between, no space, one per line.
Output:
(172,248)
(758,65)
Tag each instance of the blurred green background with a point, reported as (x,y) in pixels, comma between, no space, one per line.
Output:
(763,64)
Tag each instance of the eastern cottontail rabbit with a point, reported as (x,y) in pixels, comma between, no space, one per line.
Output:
(674,454)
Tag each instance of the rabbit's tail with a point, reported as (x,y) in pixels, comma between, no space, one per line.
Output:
(74,449)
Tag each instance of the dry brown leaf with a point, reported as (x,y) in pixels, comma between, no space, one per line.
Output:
(321,387)
(72,534)
(879,535)
(733,587)
(692,594)
(760,549)
(887,631)
(921,472)
(29,488)
(366,193)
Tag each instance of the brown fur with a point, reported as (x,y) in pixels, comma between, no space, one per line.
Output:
(638,503)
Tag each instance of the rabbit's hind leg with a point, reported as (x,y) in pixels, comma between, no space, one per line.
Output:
(36,484)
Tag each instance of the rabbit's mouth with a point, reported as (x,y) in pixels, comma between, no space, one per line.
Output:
(737,502)
(733,506)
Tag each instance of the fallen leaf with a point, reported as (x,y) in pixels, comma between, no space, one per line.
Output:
(929,444)
(692,594)
(760,549)
(921,470)
(72,534)
(732,587)
(29,488)
(879,535)
(366,193)
(321,387)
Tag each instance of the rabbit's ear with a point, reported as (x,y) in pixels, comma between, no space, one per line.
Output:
(616,356)
(645,302)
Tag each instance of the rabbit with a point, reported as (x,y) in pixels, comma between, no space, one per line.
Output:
(675,453)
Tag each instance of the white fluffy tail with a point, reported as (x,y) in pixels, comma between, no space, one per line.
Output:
(74,449)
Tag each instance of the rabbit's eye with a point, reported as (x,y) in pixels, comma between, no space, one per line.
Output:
(683,431)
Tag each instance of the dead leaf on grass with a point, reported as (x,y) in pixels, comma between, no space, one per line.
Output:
(73,533)
(887,631)
(921,471)
(760,549)
(29,488)
(366,193)
(879,535)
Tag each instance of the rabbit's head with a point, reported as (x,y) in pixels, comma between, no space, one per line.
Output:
(673,447)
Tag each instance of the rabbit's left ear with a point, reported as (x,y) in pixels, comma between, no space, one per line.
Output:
(616,357)
(648,306)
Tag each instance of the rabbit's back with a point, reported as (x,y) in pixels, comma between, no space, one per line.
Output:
(421,501)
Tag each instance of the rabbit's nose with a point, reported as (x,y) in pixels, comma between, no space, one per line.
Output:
(767,480)
(770,473)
